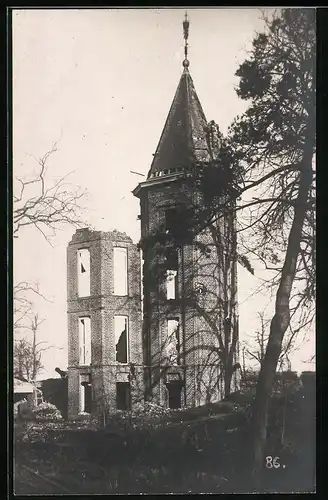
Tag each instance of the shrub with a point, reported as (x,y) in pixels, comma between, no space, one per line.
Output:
(141,416)
(286,380)
(47,411)
(22,410)
(226,407)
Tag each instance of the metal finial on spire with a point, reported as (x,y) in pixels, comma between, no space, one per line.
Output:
(185,36)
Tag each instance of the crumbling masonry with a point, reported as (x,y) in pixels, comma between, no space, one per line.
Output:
(104,323)
(173,354)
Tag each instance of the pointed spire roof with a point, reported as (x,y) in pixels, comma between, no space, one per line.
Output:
(184,138)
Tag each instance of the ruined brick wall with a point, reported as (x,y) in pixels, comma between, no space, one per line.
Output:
(156,311)
(102,305)
(200,367)
(55,391)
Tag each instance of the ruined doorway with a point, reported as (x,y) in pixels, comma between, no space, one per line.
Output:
(123,396)
(174,390)
(86,397)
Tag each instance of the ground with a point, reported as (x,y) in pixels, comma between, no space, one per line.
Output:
(198,450)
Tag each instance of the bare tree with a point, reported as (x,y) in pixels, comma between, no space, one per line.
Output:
(46,204)
(28,352)
(256,349)
(276,139)
(310,360)
(23,303)
(269,153)
(22,359)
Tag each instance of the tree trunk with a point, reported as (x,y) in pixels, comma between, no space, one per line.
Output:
(283,425)
(227,381)
(34,367)
(279,324)
(244,368)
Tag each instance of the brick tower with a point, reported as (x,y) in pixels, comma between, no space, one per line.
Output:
(104,323)
(190,316)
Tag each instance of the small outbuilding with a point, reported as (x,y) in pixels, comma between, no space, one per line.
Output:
(25,390)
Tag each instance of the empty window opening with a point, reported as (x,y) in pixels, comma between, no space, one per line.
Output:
(173,341)
(171,284)
(171,220)
(178,223)
(120,271)
(85,394)
(121,338)
(174,390)
(83,272)
(123,396)
(85,340)
(171,260)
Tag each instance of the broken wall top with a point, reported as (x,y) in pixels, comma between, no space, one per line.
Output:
(86,234)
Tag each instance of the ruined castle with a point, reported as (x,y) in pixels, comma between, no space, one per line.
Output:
(131,335)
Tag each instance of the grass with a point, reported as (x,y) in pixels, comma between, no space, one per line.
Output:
(196,450)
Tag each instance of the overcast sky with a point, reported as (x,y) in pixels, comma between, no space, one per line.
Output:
(100,82)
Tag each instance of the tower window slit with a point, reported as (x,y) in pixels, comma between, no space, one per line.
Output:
(173,341)
(121,339)
(120,271)
(85,394)
(171,258)
(123,396)
(85,340)
(83,268)
(171,220)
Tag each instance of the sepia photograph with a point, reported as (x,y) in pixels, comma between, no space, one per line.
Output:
(164,250)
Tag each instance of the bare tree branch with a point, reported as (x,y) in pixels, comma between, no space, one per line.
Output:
(47,205)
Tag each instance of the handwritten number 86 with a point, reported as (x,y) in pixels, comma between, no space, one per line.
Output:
(272,462)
